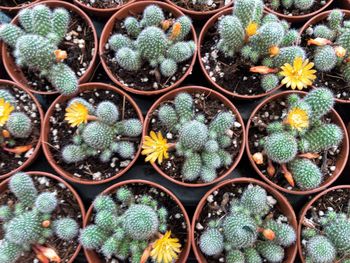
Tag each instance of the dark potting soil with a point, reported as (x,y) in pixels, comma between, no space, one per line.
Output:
(190,5)
(318,4)
(333,80)
(275,111)
(176,222)
(78,58)
(209,108)
(14,3)
(24,103)
(218,206)
(67,207)
(229,73)
(147,78)
(61,134)
(337,200)
(105,3)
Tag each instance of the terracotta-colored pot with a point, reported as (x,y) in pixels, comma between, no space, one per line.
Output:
(200,15)
(47,126)
(342,157)
(100,12)
(300,18)
(31,159)
(345,4)
(212,95)
(314,20)
(15,71)
(304,211)
(15,9)
(94,257)
(211,22)
(4,187)
(282,205)
(137,8)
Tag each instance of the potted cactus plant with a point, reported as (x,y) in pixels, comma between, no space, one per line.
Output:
(296,10)
(299,145)
(326,38)
(150,52)
(244,220)
(193,136)
(324,227)
(50,47)
(242,51)
(103,9)
(20,128)
(93,137)
(201,9)
(15,6)
(40,217)
(136,221)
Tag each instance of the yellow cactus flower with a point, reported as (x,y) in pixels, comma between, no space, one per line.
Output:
(155,147)
(251,29)
(5,110)
(300,75)
(297,118)
(165,249)
(76,114)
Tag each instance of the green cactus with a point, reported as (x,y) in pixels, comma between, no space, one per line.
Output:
(285,235)
(168,67)
(19,125)
(123,194)
(132,26)
(288,55)
(9,252)
(23,188)
(63,79)
(344,40)
(110,247)
(323,31)
(303,4)
(254,199)
(281,147)
(60,23)
(211,242)
(270,251)
(46,203)
(132,127)
(66,228)
(320,249)
(118,41)
(287,3)
(92,237)
(98,135)
(338,232)
(290,38)
(7,96)
(325,58)
(321,101)
(5,213)
(184,106)
(306,174)
(10,33)
(107,112)
(192,167)
(193,135)
(221,123)
(106,220)
(73,154)
(152,16)
(269,82)
(181,51)
(186,26)
(104,202)
(248,11)
(41,20)
(167,116)
(128,59)
(252,256)
(235,256)
(208,174)
(335,19)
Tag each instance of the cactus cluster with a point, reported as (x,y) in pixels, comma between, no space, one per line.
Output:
(155,40)
(259,39)
(35,45)
(124,225)
(330,241)
(17,124)
(99,134)
(301,137)
(29,222)
(301,5)
(331,45)
(202,144)
(246,233)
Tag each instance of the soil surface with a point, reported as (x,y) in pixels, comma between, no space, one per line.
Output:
(176,221)
(68,207)
(318,4)
(105,3)
(192,5)
(218,206)
(147,78)
(336,200)
(14,3)
(25,104)
(209,108)
(61,134)
(333,80)
(79,45)
(229,73)
(276,110)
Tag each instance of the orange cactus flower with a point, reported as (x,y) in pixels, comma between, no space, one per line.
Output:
(319,41)
(263,70)
(60,55)
(175,31)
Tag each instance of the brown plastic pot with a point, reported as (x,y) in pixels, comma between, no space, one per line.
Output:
(211,22)
(321,17)
(341,161)
(199,15)
(282,205)
(32,158)
(15,9)
(304,212)
(4,187)
(100,12)
(94,257)
(300,18)
(132,9)
(15,71)
(46,131)
(212,94)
